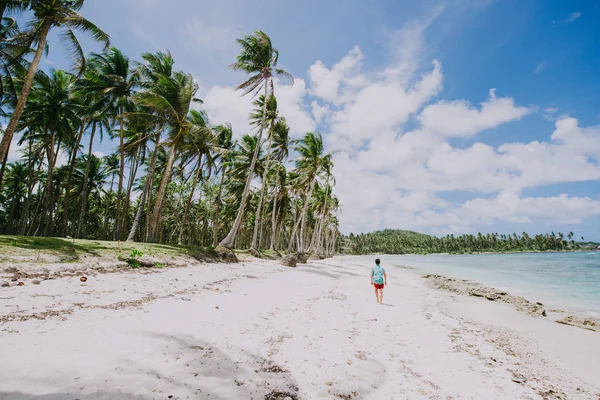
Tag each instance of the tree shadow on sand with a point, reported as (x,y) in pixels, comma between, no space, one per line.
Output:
(199,368)
(191,369)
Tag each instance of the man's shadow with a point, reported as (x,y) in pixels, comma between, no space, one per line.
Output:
(388,305)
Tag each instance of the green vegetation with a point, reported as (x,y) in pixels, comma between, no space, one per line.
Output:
(408,242)
(175,178)
(27,248)
(133,258)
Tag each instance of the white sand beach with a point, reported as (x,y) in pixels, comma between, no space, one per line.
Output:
(257,330)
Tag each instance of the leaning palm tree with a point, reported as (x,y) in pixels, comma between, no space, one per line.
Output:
(170,98)
(110,76)
(259,59)
(48,14)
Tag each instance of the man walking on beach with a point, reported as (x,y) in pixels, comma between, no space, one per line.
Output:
(379,280)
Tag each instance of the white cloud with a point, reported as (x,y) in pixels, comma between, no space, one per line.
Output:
(226,104)
(290,101)
(540,67)
(508,206)
(460,119)
(572,17)
(330,84)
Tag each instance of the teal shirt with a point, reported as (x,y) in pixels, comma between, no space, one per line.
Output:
(377,274)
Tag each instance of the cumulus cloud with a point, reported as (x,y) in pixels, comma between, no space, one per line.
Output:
(461,119)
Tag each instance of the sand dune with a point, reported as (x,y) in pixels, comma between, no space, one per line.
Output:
(257,330)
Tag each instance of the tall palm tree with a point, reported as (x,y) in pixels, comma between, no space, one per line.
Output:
(171,98)
(109,75)
(311,161)
(52,113)
(270,119)
(157,65)
(48,14)
(259,59)
(199,143)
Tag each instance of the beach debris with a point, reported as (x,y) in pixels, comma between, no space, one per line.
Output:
(83,279)
(21,284)
(519,379)
(36,281)
(5,284)
(217,307)
(290,260)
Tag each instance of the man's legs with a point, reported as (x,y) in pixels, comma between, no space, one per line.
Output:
(380,296)
(376,294)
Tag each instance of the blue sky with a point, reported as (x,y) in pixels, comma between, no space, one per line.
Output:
(415,148)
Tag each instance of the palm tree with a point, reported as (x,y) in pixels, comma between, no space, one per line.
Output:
(52,114)
(15,191)
(259,59)
(157,65)
(280,147)
(109,74)
(224,136)
(48,14)
(199,143)
(171,98)
(311,162)
(270,119)
(111,167)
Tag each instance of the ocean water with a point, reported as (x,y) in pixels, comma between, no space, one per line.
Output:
(569,281)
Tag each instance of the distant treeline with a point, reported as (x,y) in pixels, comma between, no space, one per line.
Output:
(408,242)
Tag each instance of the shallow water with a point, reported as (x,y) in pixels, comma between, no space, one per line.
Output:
(569,281)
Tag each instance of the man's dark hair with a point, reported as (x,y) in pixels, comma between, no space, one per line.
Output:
(377,261)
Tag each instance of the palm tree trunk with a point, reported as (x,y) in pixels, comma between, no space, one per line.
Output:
(68,184)
(48,201)
(84,191)
(121,171)
(132,174)
(189,201)
(30,185)
(160,195)
(258,220)
(22,99)
(147,187)
(303,215)
(296,224)
(274,214)
(230,238)
(217,210)
(3,167)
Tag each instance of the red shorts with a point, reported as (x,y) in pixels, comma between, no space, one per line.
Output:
(378,285)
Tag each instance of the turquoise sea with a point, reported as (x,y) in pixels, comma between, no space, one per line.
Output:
(570,281)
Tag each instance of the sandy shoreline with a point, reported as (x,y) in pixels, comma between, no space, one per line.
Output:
(256,330)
